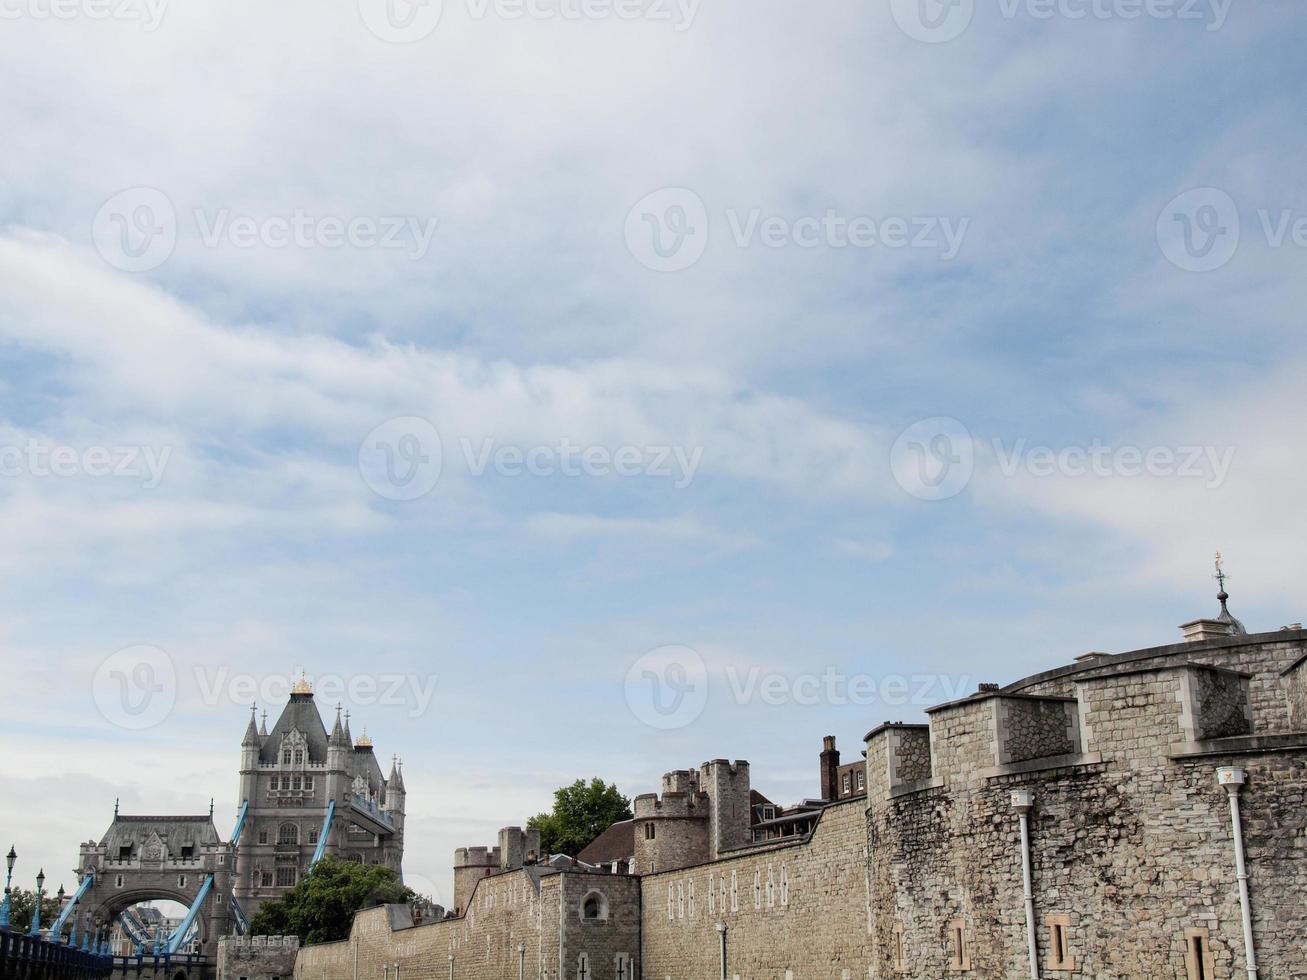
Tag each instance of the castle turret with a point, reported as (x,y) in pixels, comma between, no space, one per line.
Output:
(730,814)
(471,864)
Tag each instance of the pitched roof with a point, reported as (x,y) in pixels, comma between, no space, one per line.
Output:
(175,832)
(617,843)
(302,714)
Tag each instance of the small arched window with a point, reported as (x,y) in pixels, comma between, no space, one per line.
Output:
(594,908)
(288,833)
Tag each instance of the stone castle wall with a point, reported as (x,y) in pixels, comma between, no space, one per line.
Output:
(809,915)
(1131,849)
(257,957)
(1131,840)
(513,923)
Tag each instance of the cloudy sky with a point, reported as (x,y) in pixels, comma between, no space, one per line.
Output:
(598,388)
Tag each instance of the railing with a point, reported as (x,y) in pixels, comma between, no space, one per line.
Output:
(371,809)
(24,957)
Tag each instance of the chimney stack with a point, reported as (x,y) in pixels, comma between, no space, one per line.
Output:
(830,769)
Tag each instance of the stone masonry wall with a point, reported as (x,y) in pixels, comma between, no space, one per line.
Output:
(505,913)
(256,957)
(1034,729)
(1131,846)
(910,757)
(809,916)
(1222,706)
(1295,686)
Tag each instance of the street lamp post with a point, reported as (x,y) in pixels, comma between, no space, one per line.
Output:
(10,858)
(521,961)
(36,910)
(721,928)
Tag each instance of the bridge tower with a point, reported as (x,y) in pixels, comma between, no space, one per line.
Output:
(311,793)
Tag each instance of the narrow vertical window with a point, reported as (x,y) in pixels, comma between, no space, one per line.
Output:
(1198,955)
(1059,943)
(961,958)
(735,891)
(785,886)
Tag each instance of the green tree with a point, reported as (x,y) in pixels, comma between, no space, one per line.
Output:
(582,811)
(320,908)
(21,903)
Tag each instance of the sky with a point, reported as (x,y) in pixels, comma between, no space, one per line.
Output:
(581,388)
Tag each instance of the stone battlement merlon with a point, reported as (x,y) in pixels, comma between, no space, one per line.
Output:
(671,806)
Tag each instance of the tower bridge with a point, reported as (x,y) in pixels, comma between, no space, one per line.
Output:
(304,793)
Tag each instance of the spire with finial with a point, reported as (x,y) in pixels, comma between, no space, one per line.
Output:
(210,807)
(395,780)
(338,732)
(251,732)
(1236,627)
(348,737)
(115,808)
(263,724)
(302,686)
